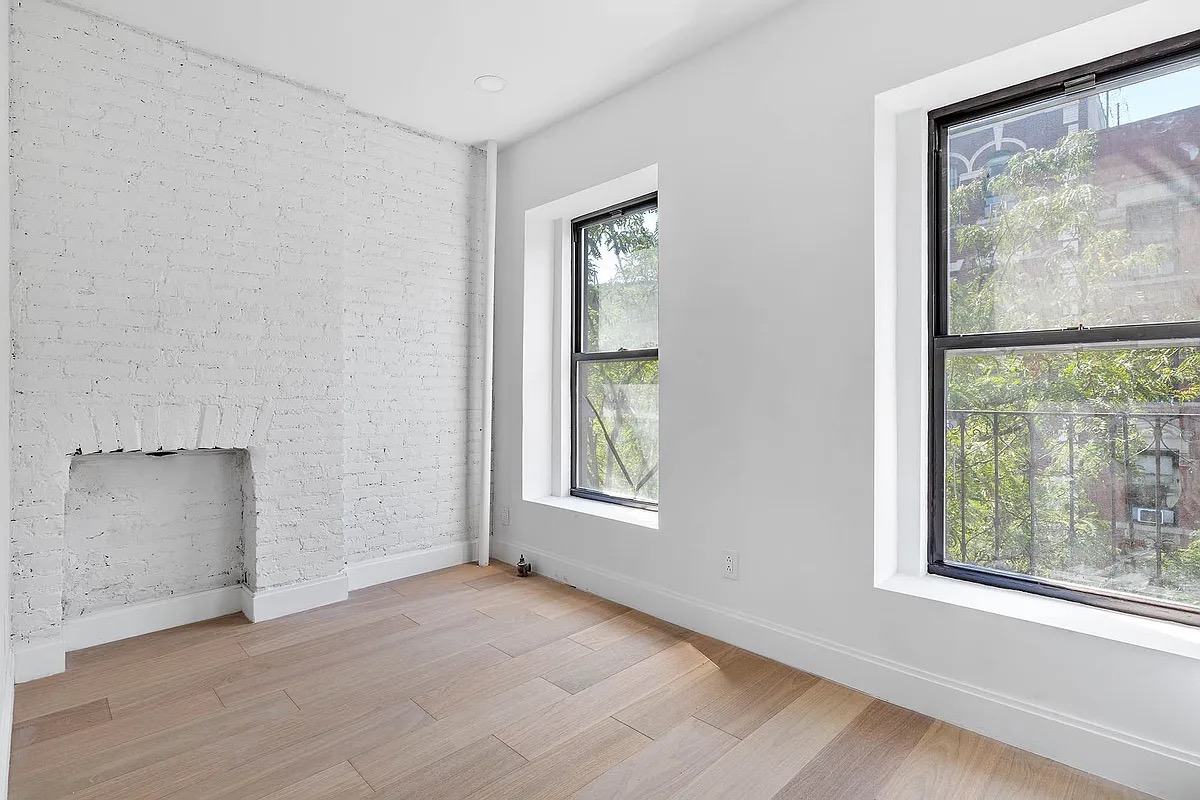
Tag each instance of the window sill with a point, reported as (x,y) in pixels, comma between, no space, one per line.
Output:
(1151,634)
(595,508)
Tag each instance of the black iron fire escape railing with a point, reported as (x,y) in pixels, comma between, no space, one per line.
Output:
(1146,430)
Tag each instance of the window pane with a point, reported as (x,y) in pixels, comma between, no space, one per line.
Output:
(1078,212)
(1077,465)
(617,428)
(621,283)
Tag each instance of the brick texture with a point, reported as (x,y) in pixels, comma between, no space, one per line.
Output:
(412,338)
(141,528)
(207,256)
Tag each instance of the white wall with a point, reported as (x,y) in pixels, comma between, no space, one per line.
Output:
(412,339)
(176,282)
(765,151)
(210,256)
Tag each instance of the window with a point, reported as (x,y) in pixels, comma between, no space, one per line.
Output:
(1154,231)
(1065,387)
(614,369)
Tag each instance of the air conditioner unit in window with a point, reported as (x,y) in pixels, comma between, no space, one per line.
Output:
(1153,516)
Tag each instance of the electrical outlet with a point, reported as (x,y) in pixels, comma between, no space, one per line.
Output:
(729,564)
(504,515)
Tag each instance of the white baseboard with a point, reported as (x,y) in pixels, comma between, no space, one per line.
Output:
(1161,770)
(50,657)
(405,565)
(154,615)
(32,661)
(267,604)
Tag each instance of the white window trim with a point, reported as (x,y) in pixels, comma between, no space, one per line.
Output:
(901,360)
(546,348)
(643,518)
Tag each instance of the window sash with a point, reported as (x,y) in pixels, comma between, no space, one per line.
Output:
(581,355)
(577,412)
(940,342)
(579,312)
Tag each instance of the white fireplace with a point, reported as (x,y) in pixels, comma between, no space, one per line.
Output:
(145,527)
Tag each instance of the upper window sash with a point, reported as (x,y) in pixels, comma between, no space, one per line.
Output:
(974,143)
(592,334)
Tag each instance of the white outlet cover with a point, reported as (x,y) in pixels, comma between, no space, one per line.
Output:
(729,564)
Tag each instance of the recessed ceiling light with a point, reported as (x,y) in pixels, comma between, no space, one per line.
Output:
(490,83)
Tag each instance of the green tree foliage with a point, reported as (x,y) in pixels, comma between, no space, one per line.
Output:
(618,402)
(1046,448)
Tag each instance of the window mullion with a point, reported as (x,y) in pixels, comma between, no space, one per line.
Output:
(648,354)
(1124,334)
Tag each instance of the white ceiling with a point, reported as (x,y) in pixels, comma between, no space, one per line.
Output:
(414,61)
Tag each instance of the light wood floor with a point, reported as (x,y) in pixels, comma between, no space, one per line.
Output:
(470,683)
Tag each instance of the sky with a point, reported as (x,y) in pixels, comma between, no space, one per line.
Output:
(1150,98)
(1144,99)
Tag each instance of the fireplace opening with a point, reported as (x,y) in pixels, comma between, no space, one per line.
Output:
(142,527)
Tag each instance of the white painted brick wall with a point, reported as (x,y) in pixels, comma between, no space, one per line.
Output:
(412,339)
(207,256)
(177,242)
(142,528)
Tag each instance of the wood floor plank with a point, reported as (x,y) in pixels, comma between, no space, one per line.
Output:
(948,763)
(74,748)
(453,694)
(459,774)
(749,704)
(537,734)
(182,775)
(534,635)
(60,723)
(613,630)
(561,606)
(492,581)
(304,757)
(1018,775)
(104,657)
(534,591)
(515,593)
(328,625)
(458,598)
(561,771)
(859,761)
(137,698)
(762,763)
(288,666)
(652,711)
(46,696)
(432,583)
(671,704)
(395,682)
(507,608)
(116,763)
(664,766)
(1089,787)
(390,762)
(595,667)
(339,782)
(353,642)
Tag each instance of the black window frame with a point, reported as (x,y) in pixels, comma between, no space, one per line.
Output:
(940,342)
(579,354)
